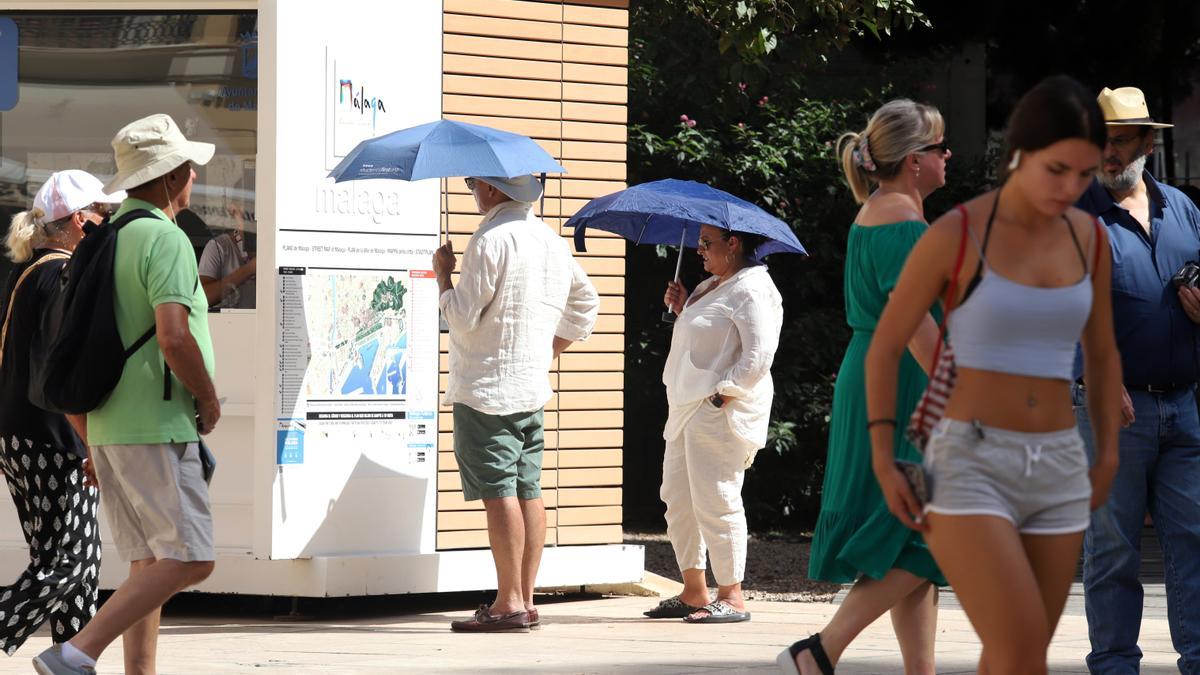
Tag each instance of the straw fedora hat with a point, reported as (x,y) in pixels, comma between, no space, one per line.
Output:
(1127,105)
(151,147)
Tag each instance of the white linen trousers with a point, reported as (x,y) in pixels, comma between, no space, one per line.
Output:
(703,470)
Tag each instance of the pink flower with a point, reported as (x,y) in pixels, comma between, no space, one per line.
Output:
(763,100)
(741,86)
(691,123)
(741,125)
(683,118)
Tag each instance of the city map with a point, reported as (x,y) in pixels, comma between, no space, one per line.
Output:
(358,333)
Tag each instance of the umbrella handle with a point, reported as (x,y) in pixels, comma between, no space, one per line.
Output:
(446,209)
(679,260)
(668,316)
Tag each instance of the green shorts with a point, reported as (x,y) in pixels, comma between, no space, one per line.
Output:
(498,455)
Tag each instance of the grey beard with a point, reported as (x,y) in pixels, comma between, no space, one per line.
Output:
(1127,179)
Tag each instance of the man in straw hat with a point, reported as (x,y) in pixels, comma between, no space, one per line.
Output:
(145,443)
(520,301)
(1153,230)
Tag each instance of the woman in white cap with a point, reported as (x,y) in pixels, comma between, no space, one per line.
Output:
(44,454)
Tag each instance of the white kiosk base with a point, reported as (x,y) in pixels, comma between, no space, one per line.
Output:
(238,571)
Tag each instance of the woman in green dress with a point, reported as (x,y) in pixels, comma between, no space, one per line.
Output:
(902,155)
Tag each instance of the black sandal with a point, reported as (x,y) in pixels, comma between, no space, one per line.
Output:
(787,658)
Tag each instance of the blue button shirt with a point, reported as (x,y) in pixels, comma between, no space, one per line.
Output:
(1157,341)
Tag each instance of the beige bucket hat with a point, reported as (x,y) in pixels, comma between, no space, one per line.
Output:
(1127,105)
(151,147)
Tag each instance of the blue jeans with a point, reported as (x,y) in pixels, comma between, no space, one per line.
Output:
(1159,472)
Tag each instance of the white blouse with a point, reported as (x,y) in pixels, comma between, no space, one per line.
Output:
(724,343)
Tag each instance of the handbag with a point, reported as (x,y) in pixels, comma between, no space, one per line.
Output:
(932,405)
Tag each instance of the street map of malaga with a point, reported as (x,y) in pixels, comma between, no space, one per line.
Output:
(358,333)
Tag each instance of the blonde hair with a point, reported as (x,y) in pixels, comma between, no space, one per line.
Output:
(896,130)
(28,232)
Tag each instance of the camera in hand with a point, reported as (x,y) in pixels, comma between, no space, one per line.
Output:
(1188,276)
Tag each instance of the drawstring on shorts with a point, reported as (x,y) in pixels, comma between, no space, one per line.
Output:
(1033,455)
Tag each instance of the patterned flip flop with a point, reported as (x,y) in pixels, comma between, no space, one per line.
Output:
(719,611)
(671,608)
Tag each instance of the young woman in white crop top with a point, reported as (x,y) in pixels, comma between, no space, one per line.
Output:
(1011,489)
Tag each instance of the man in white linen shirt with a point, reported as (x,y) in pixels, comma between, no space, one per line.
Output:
(521,300)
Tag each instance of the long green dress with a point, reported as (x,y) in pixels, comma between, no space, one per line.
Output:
(856,534)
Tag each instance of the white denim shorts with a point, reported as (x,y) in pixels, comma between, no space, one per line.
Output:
(1038,482)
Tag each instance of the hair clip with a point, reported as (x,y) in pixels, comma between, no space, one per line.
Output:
(862,156)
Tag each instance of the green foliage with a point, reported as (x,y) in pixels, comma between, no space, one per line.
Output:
(388,295)
(753,28)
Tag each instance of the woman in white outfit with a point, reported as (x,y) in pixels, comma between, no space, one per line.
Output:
(718,378)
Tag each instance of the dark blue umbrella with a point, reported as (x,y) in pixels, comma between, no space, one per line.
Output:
(444,149)
(670,211)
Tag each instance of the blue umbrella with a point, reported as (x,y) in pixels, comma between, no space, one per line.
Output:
(671,211)
(443,149)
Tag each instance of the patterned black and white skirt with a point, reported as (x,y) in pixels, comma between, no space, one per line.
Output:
(58,516)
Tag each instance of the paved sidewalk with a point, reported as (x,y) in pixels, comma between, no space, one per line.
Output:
(588,635)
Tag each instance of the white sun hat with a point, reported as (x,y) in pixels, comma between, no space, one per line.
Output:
(151,147)
(66,192)
(522,188)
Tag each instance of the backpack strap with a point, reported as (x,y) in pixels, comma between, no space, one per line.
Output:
(12,298)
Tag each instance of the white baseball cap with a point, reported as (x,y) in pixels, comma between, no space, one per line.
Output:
(66,192)
(151,147)
(521,188)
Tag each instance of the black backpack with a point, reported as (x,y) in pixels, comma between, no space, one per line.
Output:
(77,357)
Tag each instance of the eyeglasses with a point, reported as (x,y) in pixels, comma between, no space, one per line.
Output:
(470,183)
(942,148)
(1123,140)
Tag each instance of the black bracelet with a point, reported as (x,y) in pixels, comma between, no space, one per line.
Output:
(873,423)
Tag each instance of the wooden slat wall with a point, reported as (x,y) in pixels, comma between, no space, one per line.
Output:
(557,72)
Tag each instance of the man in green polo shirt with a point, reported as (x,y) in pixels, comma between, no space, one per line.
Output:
(144,443)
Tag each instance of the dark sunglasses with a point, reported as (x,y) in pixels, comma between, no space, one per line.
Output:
(940,147)
(470,183)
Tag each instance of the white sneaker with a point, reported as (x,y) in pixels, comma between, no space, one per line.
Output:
(51,662)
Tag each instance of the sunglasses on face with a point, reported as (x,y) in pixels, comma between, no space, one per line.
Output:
(704,244)
(942,148)
(1120,141)
(470,183)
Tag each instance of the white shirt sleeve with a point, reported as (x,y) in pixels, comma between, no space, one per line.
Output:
(583,304)
(758,319)
(463,305)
